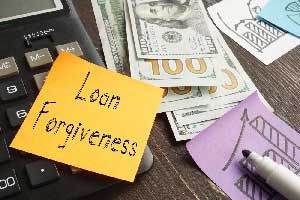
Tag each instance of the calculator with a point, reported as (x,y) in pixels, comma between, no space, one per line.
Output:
(32,34)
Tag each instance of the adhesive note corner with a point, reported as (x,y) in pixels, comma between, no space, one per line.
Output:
(284,14)
(91,118)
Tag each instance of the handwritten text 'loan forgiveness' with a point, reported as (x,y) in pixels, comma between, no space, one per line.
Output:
(90,118)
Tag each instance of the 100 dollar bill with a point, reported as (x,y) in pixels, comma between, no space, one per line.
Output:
(183,97)
(235,87)
(170,73)
(187,131)
(171,29)
(174,98)
(109,15)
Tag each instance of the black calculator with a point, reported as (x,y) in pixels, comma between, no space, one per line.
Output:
(32,34)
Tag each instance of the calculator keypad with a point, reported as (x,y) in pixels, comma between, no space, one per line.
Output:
(12,90)
(8,67)
(72,47)
(13,95)
(39,58)
(9,184)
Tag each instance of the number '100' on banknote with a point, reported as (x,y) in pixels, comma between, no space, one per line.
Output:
(169,29)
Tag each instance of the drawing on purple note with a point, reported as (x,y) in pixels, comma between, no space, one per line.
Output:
(276,138)
(218,149)
(280,159)
(271,153)
(244,119)
(253,186)
(247,165)
(284,151)
(255,32)
(254,189)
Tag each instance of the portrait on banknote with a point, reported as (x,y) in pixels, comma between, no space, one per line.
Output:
(173,14)
(160,27)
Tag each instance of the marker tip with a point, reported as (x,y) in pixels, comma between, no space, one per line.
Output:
(246,153)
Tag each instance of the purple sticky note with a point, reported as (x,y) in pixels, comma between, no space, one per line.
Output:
(250,125)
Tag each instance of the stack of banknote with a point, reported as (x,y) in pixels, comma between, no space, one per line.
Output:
(174,45)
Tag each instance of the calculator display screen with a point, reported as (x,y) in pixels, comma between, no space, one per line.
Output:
(14,9)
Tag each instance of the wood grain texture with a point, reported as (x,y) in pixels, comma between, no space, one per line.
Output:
(174,174)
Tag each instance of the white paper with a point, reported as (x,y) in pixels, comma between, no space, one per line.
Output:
(237,19)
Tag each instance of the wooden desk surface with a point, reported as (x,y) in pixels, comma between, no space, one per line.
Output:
(174,174)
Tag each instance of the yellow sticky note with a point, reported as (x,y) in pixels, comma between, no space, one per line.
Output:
(91,118)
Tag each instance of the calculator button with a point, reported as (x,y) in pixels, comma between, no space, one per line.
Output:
(12,90)
(8,67)
(39,79)
(72,47)
(4,153)
(17,114)
(75,170)
(23,153)
(41,172)
(9,184)
(38,58)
